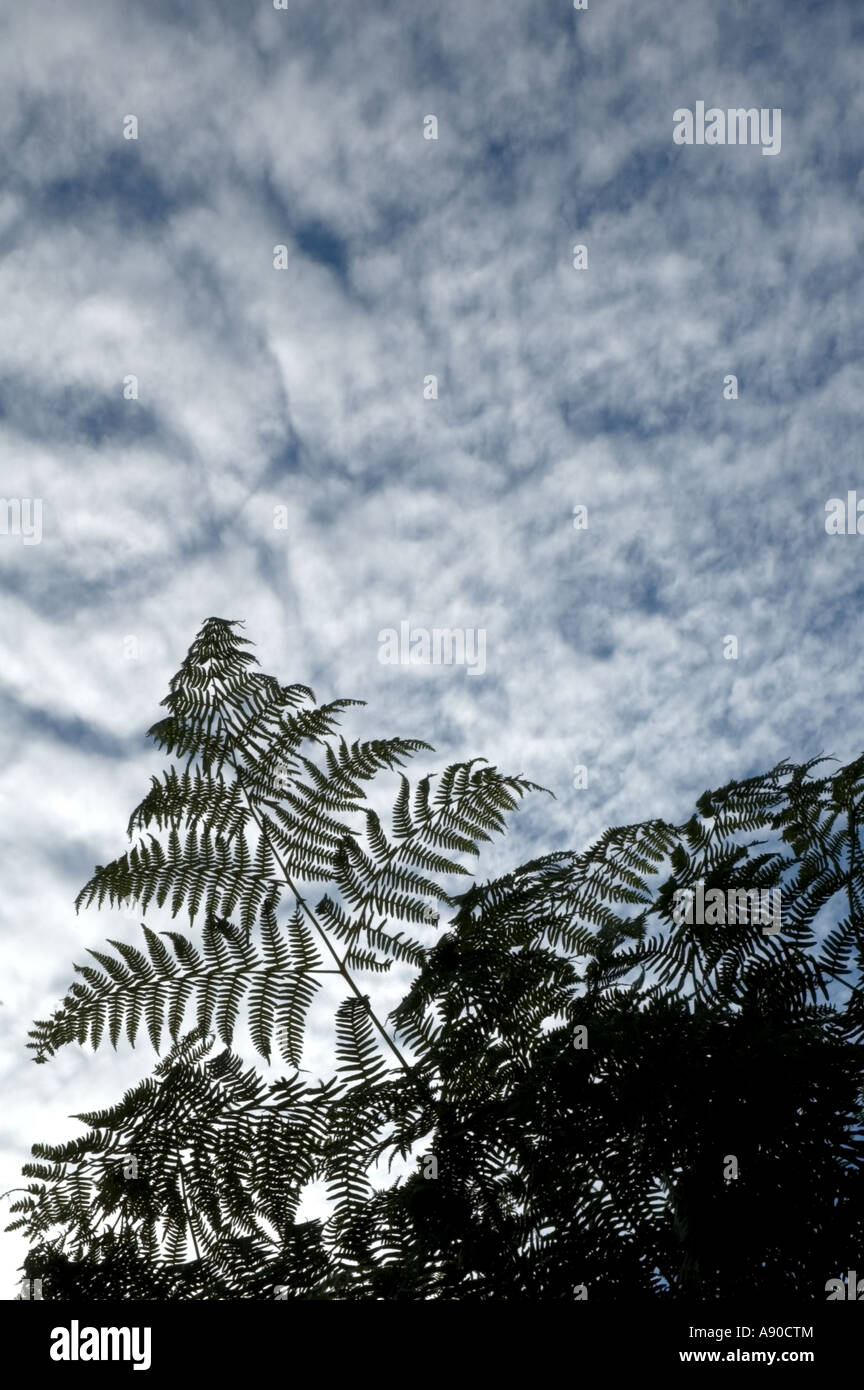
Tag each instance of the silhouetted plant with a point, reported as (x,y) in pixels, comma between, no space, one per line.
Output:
(572,1065)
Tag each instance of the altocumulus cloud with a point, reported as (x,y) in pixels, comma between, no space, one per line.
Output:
(308,390)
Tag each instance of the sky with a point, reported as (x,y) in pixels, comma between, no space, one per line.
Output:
(221,325)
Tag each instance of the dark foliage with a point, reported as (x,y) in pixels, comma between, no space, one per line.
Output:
(570,1070)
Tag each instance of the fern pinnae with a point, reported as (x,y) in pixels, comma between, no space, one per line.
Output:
(311,916)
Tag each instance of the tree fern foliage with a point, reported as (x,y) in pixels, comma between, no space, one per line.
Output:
(250,818)
(564,1082)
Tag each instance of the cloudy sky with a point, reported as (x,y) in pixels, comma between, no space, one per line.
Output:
(286,460)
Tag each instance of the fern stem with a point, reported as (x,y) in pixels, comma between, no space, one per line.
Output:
(304,906)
